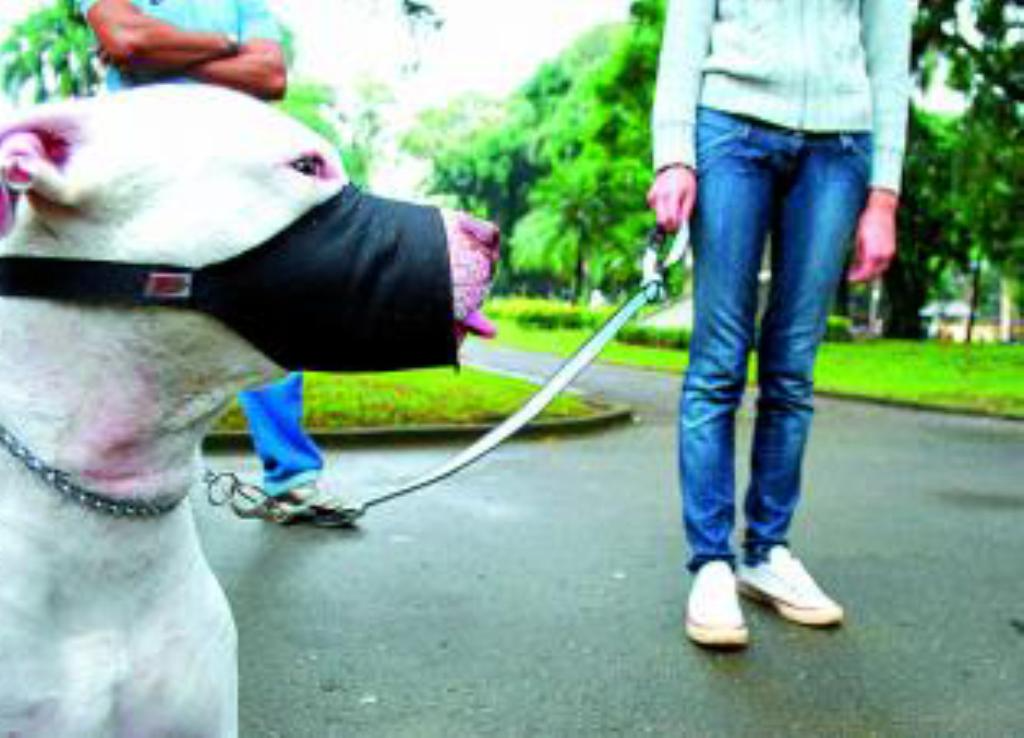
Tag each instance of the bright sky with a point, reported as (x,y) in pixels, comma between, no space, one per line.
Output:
(489,46)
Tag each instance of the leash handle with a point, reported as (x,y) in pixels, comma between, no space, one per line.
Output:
(654,264)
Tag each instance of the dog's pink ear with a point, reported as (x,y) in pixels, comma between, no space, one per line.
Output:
(33,153)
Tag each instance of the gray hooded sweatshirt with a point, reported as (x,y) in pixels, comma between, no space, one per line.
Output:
(807,65)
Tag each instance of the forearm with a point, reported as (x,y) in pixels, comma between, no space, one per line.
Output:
(258,69)
(137,43)
(687,38)
(887,37)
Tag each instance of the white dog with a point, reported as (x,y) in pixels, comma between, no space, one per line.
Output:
(113,627)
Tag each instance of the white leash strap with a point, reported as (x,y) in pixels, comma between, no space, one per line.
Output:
(652,290)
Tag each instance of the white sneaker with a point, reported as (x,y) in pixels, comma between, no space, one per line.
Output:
(713,615)
(782,582)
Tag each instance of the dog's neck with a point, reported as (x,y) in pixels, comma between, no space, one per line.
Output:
(119,399)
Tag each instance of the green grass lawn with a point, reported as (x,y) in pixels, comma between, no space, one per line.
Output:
(437,396)
(982,378)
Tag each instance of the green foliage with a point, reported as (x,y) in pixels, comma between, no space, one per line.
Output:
(310,103)
(551,315)
(984,55)
(537,165)
(933,236)
(547,314)
(431,397)
(982,49)
(587,209)
(354,131)
(563,165)
(49,55)
(653,336)
(985,379)
(990,187)
(361,121)
(839,329)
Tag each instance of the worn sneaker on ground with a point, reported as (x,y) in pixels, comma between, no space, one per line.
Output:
(713,615)
(306,503)
(782,582)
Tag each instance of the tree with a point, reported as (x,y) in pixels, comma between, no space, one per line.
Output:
(983,54)
(565,165)
(599,150)
(526,163)
(978,46)
(982,49)
(50,54)
(361,122)
(932,235)
(483,157)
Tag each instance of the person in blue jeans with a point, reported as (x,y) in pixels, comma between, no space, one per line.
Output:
(234,43)
(777,126)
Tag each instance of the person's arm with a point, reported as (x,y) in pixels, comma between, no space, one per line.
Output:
(135,42)
(886,38)
(684,47)
(259,67)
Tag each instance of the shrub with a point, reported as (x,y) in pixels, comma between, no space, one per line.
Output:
(641,335)
(551,315)
(546,314)
(839,329)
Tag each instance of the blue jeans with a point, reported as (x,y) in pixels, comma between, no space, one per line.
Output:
(805,192)
(289,456)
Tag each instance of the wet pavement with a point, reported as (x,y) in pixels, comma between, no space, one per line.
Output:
(539,594)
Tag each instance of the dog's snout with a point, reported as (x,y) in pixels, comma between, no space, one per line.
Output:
(483,233)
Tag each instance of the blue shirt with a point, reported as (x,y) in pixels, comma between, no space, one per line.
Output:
(242,20)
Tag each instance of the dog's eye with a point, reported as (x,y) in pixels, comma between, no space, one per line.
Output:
(310,165)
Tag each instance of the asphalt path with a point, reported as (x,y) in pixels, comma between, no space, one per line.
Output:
(540,594)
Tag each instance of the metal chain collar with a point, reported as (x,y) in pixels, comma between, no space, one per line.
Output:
(227,488)
(61,483)
(223,487)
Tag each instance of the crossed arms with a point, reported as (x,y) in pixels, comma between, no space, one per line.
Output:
(139,44)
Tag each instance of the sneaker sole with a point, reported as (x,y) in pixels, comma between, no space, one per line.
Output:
(822,618)
(724,638)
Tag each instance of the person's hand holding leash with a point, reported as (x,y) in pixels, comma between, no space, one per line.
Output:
(673,195)
(876,237)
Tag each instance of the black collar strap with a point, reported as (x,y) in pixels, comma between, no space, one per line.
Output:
(81,280)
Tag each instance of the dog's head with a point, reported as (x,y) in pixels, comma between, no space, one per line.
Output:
(167,174)
(194,175)
(197,177)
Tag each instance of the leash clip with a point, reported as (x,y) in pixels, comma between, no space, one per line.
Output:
(655,264)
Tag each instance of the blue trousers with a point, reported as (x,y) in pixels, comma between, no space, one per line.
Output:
(289,456)
(803,193)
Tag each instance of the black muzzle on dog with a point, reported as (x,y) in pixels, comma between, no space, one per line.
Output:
(359,283)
